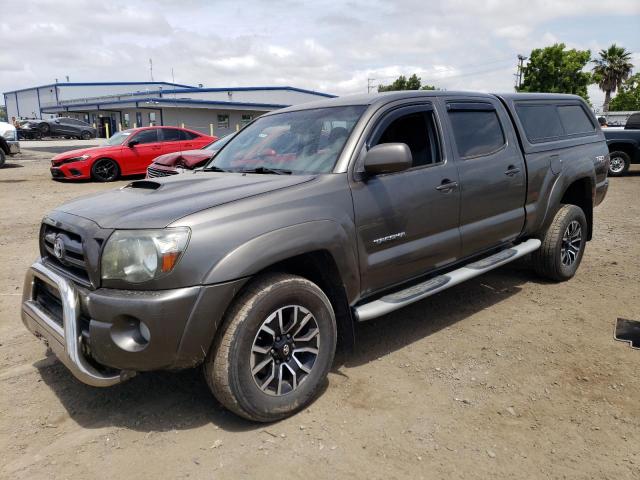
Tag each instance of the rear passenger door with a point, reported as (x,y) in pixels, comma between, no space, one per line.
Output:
(407,222)
(172,140)
(492,173)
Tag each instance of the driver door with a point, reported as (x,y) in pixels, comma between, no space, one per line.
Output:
(407,222)
(138,157)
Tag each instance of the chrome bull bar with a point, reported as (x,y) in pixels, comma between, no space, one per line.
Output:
(64,341)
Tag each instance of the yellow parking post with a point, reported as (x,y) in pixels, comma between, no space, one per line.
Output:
(211,129)
(120,127)
(106,129)
(135,125)
(182,124)
(237,127)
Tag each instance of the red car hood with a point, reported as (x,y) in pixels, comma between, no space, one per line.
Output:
(188,158)
(85,151)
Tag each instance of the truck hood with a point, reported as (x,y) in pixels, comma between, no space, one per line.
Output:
(157,203)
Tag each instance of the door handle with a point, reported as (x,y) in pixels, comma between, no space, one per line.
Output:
(511,171)
(446,186)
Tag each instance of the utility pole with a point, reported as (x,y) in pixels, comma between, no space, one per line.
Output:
(521,59)
(151,68)
(369,84)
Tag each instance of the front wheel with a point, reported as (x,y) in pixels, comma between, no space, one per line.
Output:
(105,170)
(85,136)
(619,164)
(275,349)
(563,245)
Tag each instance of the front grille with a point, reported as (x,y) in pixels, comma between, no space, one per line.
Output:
(154,172)
(48,298)
(72,260)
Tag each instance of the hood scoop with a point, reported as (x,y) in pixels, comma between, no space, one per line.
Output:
(143,184)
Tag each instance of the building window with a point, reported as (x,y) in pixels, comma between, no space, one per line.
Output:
(125,120)
(152,119)
(223,121)
(246,118)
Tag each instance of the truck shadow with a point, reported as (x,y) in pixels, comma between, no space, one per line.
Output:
(381,336)
(166,401)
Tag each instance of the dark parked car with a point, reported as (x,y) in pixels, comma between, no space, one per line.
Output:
(63,127)
(312,218)
(624,146)
(179,162)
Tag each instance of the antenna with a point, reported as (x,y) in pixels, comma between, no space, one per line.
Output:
(369,86)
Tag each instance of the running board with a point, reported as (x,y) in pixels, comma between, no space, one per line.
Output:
(397,300)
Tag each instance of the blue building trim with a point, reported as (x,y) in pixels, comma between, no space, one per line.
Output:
(252,89)
(159,101)
(39,106)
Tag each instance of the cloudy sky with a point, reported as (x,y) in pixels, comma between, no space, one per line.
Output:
(331,46)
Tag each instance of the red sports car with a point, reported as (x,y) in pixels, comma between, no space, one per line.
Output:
(126,153)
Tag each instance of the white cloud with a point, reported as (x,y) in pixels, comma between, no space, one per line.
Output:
(333,46)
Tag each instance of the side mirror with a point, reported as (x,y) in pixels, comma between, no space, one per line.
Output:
(56,121)
(388,158)
(133,143)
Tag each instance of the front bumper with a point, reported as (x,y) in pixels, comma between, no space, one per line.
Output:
(70,171)
(104,336)
(14,147)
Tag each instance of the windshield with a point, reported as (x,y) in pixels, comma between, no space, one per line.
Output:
(305,141)
(117,138)
(218,144)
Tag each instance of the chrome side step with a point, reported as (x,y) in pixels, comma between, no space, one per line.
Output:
(397,300)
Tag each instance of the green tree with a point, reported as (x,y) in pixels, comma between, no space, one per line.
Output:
(557,70)
(610,70)
(403,83)
(628,97)
(3,113)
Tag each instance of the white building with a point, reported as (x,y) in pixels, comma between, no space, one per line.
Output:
(122,105)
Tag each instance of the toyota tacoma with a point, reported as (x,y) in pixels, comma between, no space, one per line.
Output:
(310,219)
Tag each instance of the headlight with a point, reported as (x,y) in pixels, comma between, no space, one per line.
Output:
(75,159)
(137,256)
(9,135)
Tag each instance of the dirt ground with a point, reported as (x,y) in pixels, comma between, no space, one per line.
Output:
(505,376)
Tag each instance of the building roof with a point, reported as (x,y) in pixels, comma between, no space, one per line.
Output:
(98,84)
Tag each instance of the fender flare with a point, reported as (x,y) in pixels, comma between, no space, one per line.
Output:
(275,246)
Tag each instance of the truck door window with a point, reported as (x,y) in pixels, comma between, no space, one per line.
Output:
(417,130)
(476,132)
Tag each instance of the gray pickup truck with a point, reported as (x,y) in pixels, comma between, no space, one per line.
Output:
(312,218)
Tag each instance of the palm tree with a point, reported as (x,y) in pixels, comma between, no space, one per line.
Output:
(610,70)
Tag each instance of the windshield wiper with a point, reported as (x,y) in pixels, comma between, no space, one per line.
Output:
(267,170)
(214,168)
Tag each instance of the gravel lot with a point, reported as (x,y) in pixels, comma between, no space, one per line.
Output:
(503,376)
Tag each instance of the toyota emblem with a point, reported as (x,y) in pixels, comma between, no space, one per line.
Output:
(58,248)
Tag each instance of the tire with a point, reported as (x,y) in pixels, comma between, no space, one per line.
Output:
(3,158)
(563,245)
(85,135)
(619,164)
(105,170)
(44,128)
(232,368)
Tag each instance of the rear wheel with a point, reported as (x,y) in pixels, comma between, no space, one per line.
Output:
(619,164)
(44,128)
(105,170)
(275,350)
(563,245)
(85,136)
